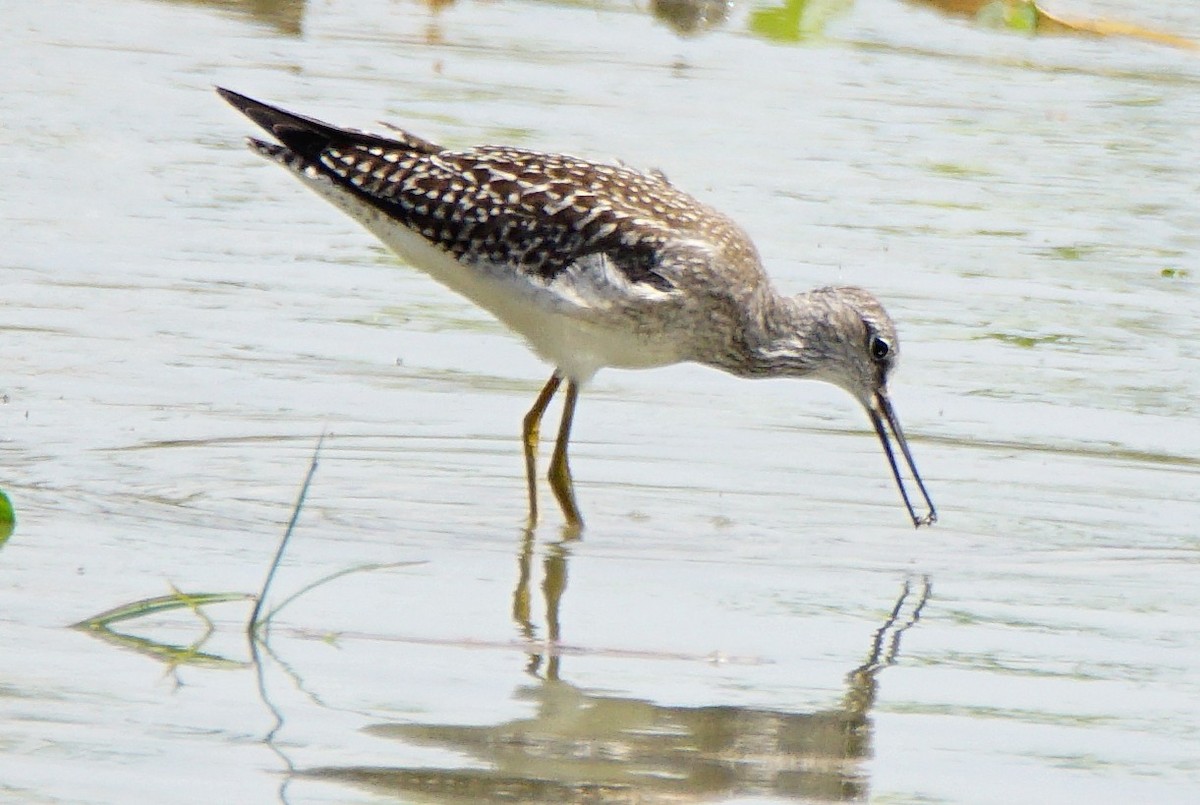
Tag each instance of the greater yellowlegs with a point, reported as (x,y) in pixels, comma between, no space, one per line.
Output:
(594,265)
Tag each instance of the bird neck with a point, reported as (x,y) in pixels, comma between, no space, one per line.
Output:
(778,336)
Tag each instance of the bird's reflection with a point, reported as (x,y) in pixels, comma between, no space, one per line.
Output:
(554,583)
(585,745)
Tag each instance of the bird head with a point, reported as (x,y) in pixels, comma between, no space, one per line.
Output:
(849,340)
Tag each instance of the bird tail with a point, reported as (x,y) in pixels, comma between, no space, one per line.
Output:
(307,137)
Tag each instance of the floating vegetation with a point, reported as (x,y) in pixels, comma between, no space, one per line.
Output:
(1015,15)
(158,605)
(1029,17)
(8,519)
(1071,252)
(171,653)
(958,171)
(1028,341)
(101,624)
(796,20)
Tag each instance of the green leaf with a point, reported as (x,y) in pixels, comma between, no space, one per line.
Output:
(8,520)
(795,20)
(161,603)
(1015,15)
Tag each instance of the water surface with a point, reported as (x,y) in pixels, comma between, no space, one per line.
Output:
(181,321)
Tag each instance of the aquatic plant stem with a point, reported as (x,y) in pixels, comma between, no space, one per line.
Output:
(253,624)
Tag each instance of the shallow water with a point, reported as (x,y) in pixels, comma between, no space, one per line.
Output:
(181,321)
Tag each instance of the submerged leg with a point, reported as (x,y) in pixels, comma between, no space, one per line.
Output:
(529,434)
(560,472)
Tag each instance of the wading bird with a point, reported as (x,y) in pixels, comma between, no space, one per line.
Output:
(594,265)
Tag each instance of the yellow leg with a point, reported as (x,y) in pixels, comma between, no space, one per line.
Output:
(553,585)
(529,434)
(521,606)
(560,472)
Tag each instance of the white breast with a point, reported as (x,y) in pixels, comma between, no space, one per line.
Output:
(574,321)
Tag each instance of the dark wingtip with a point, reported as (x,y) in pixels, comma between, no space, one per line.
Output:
(265,115)
(303,135)
(238,101)
(308,136)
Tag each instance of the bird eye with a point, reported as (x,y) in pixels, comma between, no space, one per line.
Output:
(880,348)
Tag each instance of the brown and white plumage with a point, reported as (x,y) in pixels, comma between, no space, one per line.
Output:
(594,265)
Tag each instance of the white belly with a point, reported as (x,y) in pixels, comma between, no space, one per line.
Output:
(576,329)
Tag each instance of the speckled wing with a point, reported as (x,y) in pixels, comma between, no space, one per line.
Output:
(533,212)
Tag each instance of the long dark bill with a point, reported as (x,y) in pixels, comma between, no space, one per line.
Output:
(877,419)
